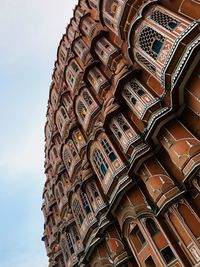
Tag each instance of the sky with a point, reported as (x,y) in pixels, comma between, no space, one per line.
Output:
(30,31)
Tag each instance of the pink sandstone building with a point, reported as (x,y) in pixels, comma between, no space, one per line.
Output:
(122,137)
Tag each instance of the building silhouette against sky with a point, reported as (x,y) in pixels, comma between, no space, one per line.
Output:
(122,149)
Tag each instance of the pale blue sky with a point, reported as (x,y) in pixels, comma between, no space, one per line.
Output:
(30,31)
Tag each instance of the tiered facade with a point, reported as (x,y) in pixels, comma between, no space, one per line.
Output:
(122,153)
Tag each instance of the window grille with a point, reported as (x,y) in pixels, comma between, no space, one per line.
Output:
(121,121)
(75,234)
(164,20)
(129,96)
(145,62)
(85,203)
(67,158)
(75,66)
(63,113)
(87,98)
(78,211)
(72,148)
(70,244)
(151,41)
(82,111)
(116,130)
(100,163)
(94,190)
(109,151)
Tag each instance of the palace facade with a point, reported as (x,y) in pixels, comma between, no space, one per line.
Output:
(122,137)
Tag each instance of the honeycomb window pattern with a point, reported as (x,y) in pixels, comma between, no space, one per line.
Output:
(145,62)
(148,38)
(164,20)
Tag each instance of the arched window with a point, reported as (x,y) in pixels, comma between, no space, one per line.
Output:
(112,14)
(152,227)
(104,49)
(97,79)
(94,190)
(108,150)
(94,196)
(138,97)
(100,163)
(85,202)
(78,14)
(85,107)
(63,112)
(87,98)
(81,49)
(67,159)
(64,248)
(79,139)
(69,243)
(70,157)
(78,213)
(123,131)
(57,195)
(74,233)
(88,26)
(73,74)
(82,111)
(72,148)
(137,238)
(61,189)
(66,99)
(62,119)
(105,160)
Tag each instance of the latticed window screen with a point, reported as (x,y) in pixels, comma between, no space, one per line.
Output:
(75,234)
(70,244)
(61,188)
(85,203)
(87,98)
(78,212)
(66,100)
(63,113)
(100,163)
(164,20)
(94,190)
(108,149)
(75,66)
(119,126)
(151,41)
(128,95)
(116,130)
(72,148)
(145,62)
(64,248)
(82,111)
(137,88)
(122,123)
(67,158)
